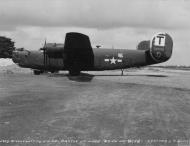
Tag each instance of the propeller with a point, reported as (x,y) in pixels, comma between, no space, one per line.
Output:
(45,43)
(44,53)
(44,47)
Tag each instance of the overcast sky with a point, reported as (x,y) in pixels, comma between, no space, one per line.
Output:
(110,23)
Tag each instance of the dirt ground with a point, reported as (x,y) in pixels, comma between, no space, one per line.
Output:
(146,107)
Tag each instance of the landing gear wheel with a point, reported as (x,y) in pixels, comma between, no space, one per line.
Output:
(37,72)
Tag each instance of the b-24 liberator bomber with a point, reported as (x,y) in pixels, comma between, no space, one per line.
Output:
(76,54)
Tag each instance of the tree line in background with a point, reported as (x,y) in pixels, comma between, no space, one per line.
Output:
(6,47)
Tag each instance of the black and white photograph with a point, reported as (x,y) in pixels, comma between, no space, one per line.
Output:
(94,73)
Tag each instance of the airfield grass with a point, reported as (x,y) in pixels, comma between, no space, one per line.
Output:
(89,108)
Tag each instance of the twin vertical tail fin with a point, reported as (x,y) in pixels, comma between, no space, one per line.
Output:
(161,47)
(158,49)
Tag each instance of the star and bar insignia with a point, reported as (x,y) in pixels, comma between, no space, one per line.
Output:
(113,60)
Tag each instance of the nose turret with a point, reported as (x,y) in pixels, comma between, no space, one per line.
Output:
(19,56)
(16,57)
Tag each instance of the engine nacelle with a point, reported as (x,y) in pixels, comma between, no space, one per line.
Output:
(53,50)
(161,47)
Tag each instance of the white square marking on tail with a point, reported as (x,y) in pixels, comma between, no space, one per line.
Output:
(159,40)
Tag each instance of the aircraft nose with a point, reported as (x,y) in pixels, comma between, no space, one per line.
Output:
(15,57)
(20,57)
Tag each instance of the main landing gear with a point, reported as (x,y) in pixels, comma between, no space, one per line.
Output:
(38,72)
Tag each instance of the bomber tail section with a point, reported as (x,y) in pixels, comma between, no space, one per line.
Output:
(161,47)
(158,49)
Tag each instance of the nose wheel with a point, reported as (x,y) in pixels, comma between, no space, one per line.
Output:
(38,72)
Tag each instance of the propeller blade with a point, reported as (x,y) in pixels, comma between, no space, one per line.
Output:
(45,43)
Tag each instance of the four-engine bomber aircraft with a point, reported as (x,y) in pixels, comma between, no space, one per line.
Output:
(76,54)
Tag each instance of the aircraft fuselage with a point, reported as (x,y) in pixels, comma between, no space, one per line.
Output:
(104,59)
(76,55)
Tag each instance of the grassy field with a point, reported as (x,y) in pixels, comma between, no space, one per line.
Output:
(89,110)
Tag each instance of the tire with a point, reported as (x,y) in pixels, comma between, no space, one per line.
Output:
(37,72)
